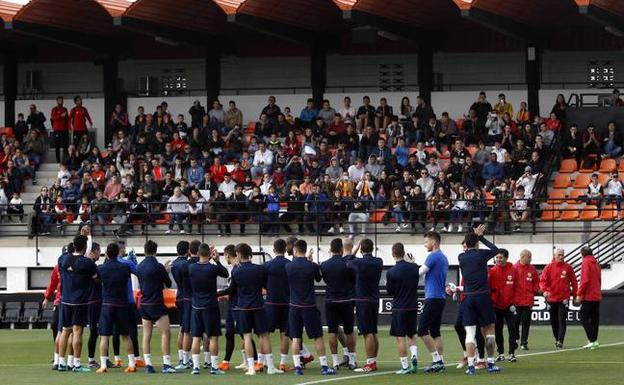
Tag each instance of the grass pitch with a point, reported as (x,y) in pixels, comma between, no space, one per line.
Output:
(25,357)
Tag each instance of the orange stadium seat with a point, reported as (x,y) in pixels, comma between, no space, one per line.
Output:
(574,195)
(603,178)
(609,213)
(589,213)
(607,165)
(562,181)
(556,196)
(568,165)
(581,181)
(570,213)
(551,213)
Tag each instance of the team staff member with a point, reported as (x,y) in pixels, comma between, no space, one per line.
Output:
(478,306)
(558,283)
(80,120)
(402,285)
(54,290)
(302,273)
(339,305)
(367,275)
(179,271)
(503,282)
(95,309)
(527,285)
(59,118)
(589,294)
(435,270)
(205,316)
(153,279)
(114,316)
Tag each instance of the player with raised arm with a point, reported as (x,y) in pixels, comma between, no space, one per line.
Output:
(478,306)
(434,271)
(402,285)
(153,279)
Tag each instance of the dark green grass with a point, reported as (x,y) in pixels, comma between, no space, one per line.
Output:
(25,357)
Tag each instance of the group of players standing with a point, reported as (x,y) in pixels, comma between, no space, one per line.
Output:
(280,295)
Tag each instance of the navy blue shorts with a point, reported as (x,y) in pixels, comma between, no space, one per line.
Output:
(339,313)
(114,319)
(152,312)
(184,315)
(366,314)
(404,323)
(478,310)
(255,321)
(95,309)
(206,321)
(74,315)
(304,317)
(277,316)
(431,318)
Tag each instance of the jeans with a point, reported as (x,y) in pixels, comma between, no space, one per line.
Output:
(612,150)
(354,218)
(44,221)
(397,213)
(258,171)
(178,218)
(99,218)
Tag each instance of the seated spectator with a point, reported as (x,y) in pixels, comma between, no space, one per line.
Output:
(181,127)
(471,175)
(327,113)
(294,210)
(334,171)
(493,172)
(113,188)
(196,211)
(433,166)
(22,163)
(197,112)
(519,209)
(233,116)
(612,142)
(271,110)
(308,114)
(528,135)
(459,210)
(495,125)
(406,110)
(423,109)
(401,152)
(432,130)
(365,114)
(15,207)
(508,139)
(394,131)
(347,112)
(499,151)
(426,183)
(398,209)
(553,123)
(228,186)
(263,161)
(616,101)
(194,174)
(536,163)
(546,134)
(414,130)
(383,113)
(482,156)
(523,116)
(613,190)
(594,194)
(34,148)
(447,130)
(178,209)
(440,208)
(288,116)
(520,157)
(591,147)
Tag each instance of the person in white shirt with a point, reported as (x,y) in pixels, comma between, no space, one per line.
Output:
(527,181)
(63,174)
(16,206)
(519,209)
(228,186)
(178,208)
(347,111)
(357,170)
(613,190)
(594,191)
(426,183)
(262,162)
(500,151)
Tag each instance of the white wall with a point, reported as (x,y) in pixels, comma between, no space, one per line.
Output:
(457,103)
(95,107)
(265,73)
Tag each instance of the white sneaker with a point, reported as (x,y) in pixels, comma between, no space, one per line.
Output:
(274,370)
(405,225)
(331,230)
(341,230)
(250,372)
(168,232)
(588,346)
(241,366)
(432,229)
(182,232)
(398,229)
(445,230)
(460,229)
(449,228)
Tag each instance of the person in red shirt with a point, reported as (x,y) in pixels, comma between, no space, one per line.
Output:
(527,285)
(217,171)
(78,118)
(60,127)
(589,294)
(503,279)
(558,283)
(238,175)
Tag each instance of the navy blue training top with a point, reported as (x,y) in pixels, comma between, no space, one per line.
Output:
(77,273)
(277,281)
(153,278)
(367,275)
(402,285)
(301,276)
(203,281)
(249,280)
(339,279)
(179,271)
(114,276)
(474,268)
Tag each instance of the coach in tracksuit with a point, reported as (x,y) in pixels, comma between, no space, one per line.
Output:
(589,295)
(503,278)
(527,285)
(558,283)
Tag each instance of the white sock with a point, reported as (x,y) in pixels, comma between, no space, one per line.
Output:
(250,363)
(186,357)
(261,359)
(297,360)
(304,351)
(351,358)
(61,360)
(181,355)
(77,362)
(70,360)
(117,358)
(335,359)
(103,361)
(471,361)
(372,360)
(465,354)
(414,351)
(323,360)
(167,360)
(490,360)
(214,361)
(207,357)
(91,359)
(283,359)
(436,356)
(345,351)
(441,358)
(131,361)
(244,355)
(404,363)
(195,358)
(56,358)
(268,359)
(148,359)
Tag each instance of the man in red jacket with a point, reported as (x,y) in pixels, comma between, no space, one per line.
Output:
(589,295)
(558,283)
(527,285)
(79,116)
(60,127)
(502,288)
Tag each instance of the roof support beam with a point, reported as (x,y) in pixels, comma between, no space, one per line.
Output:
(613,23)
(213,75)
(425,71)
(533,77)
(318,72)
(502,24)
(384,26)
(176,35)
(59,35)
(272,28)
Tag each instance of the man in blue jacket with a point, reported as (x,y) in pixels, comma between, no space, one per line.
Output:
(493,171)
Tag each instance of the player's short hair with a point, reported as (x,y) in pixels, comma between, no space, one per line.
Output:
(586,250)
(471,240)
(80,243)
(366,245)
(182,247)
(112,250)
(290,241)
(70,248)
(229,251)
(194,246)
(279,246)
(300,246)
(244,250)
(204,250)
(96,247)
(504,253)
(433,235)
(335,246)
(398,250)
(150,248)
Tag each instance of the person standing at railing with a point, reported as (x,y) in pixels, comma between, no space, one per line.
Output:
(589,295)
(558,283)
(79,119)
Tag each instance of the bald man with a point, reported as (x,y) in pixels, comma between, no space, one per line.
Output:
(527,285)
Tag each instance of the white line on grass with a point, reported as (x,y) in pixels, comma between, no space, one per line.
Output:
(354,377)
